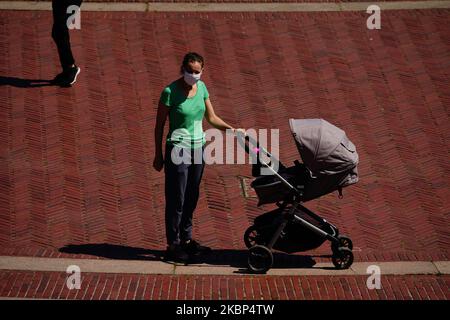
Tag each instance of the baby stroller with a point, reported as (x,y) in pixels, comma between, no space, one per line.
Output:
(329,164)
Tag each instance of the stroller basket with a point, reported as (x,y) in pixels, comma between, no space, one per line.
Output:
(270,189)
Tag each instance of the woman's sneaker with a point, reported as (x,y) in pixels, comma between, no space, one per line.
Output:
(194,248)
(59,78)
(67,77)
(176,253)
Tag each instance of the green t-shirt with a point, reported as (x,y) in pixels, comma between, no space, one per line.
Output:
(185,115)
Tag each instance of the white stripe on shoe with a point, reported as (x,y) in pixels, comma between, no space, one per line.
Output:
(76,75)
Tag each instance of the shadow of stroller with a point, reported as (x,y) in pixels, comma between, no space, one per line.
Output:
(219,257)
(25,83)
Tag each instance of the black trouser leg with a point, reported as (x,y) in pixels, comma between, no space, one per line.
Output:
(182,183)
(176,177)
(195,173)
(60,32)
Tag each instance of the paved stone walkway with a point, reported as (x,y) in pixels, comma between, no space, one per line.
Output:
(76,180)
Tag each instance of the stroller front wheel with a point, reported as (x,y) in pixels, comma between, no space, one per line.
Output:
(344,242)
(260,259)
(342,258)
(252,236)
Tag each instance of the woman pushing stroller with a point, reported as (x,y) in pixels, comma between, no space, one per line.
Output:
(185,102)
(329,164)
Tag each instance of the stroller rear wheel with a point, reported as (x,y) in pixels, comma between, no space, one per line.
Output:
(260,259)
(342,258)
(344,242)
(252,236)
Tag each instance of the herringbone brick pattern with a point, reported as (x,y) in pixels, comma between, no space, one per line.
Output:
(52,285)
(76,163)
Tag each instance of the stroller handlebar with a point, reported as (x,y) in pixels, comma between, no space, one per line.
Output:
(250,145)
(253,148)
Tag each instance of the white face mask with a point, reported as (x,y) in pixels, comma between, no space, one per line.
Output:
(191,78)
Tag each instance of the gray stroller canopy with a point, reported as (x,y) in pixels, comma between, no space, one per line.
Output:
(324,148)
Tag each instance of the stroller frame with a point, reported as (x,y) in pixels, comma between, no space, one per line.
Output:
(260,258)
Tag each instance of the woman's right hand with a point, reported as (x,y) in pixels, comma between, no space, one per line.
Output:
(158,163)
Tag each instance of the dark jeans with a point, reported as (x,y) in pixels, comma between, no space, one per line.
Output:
(182,182)
(60,32)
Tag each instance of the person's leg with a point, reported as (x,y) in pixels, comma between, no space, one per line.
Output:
(192,194)
(60,35)
(60,32)
(176,177)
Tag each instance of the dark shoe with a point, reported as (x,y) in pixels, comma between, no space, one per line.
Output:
(192,247)
(59,78)
(176,253)
(67,77)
